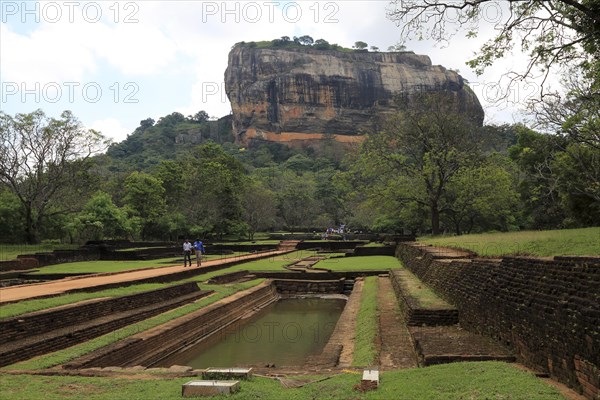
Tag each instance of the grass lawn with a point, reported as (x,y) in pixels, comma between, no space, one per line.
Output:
(584,241)
(366,325)
(476,381)
(359,263)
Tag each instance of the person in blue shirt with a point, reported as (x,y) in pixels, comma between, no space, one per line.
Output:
(199,246)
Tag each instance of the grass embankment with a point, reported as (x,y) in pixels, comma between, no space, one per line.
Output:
(63,356)
(360,263)
(584,241)
(11,251)
(419,292)
(476,381)
(366,325)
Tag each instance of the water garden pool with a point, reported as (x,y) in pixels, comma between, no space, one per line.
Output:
(286,332)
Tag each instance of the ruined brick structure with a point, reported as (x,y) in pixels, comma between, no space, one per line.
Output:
(548,311)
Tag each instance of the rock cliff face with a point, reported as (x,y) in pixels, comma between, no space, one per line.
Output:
(289,95)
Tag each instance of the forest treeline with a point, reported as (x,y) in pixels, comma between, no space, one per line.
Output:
(429,170)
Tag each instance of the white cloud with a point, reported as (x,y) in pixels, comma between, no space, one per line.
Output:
(111,128)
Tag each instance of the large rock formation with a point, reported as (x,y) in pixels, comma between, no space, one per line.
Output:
(288,94)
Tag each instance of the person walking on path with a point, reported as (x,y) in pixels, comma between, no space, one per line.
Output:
(187,252)
(199,246)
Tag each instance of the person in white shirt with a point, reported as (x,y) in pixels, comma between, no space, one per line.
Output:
(187,252)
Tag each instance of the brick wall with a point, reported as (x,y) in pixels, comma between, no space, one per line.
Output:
(24,326)
(309,286)
(148,348)
(547,311)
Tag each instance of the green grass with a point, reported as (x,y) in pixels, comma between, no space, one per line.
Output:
(366,325)
(418,291)
(472,381)
(63,356)
(585,241)
(360,263)
(11,251)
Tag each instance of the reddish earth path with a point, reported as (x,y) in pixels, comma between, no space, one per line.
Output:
(23,292)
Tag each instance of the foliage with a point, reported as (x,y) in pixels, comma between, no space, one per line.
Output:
(557,33)
(39,157)
(101,218)
(144,196)
(418,152)
(304,41)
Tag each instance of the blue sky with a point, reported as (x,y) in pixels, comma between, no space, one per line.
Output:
(115,63)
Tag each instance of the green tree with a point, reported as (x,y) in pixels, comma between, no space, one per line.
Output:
(102,219)
(11,218)
(360,45)
(420,149)
(260,208)
(554,33)
(215,182)
(145,198)
(39,157)
(482,196)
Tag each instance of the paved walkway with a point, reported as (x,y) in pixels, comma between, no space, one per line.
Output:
(24,292)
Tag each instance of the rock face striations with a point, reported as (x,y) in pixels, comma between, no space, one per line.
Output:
(296,95)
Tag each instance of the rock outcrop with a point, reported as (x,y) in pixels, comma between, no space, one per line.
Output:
(303,94)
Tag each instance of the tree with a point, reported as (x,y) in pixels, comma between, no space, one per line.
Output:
(145,197)
(420,149)
(199,117)
(321,44)
(482,196)
(215,182)
(101,218)
(305,40)
(397,47)
(260,207)
(41,156)
(554,33)
(360,45)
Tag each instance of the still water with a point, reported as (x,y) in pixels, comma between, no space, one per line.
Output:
(284,333)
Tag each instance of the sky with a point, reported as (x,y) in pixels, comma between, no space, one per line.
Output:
(115,63)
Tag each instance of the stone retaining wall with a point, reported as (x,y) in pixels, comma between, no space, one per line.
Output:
(24,326)
(547,311)
(309,286)
(414,314)
(374,251)
(148,348)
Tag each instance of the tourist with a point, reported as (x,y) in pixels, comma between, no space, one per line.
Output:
(199,246)
(187,252)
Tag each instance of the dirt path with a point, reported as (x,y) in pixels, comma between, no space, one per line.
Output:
(397,349)
(23,292)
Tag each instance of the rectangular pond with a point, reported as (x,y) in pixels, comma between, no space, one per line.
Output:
(283,333)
